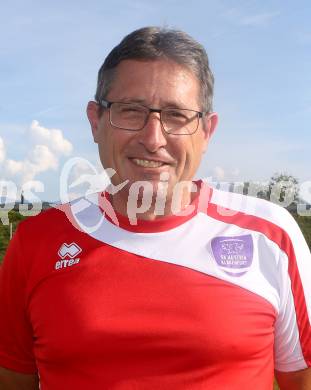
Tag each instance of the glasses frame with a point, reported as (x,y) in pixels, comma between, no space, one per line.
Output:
(107,104)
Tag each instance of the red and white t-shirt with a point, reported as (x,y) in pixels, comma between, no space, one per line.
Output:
(215,299)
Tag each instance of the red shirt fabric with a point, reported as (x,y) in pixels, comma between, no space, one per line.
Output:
(149,307)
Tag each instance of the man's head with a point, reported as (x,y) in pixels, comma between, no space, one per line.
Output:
(155,43)
(159,70)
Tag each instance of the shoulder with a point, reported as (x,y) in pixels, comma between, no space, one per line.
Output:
(57,222)
(47,221)
(39,241)
(63,220)
(258,210)
(258,215)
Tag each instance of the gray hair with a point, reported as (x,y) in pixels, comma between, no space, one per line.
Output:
(153,43)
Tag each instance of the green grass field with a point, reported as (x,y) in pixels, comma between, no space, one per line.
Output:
(15,218)
(305,226)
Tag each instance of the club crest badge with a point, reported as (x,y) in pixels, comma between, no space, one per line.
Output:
(234,255)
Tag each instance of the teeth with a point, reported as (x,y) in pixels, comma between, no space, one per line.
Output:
(147,163)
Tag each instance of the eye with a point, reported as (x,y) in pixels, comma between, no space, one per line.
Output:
(176,114)
(131,108)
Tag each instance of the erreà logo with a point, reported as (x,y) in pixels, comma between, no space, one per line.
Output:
(68,253)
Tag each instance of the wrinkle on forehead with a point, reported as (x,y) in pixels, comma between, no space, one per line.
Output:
(158,84)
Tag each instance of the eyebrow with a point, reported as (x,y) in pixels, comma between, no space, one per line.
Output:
(167,104)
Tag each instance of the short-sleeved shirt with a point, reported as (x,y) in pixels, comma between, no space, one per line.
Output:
(216,297)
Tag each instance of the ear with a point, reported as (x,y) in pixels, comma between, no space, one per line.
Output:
(209,126)
(92,111)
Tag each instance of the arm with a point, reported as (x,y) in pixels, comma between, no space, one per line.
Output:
(295,380)
(292,327)
(16,335)
(11,380)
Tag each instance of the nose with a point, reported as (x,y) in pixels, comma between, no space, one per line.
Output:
(152,136)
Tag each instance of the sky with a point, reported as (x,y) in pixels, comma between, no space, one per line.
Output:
(259,52)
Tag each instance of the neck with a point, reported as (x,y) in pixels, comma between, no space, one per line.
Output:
(150,206)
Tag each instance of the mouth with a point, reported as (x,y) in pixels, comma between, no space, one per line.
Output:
(148,163)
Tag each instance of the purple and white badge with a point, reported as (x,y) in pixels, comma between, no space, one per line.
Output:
(234,255)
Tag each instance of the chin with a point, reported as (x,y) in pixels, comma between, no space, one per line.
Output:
(147,191)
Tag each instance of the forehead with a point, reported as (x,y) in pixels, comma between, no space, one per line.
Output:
(161,82)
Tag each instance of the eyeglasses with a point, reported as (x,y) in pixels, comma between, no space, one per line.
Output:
(134,117)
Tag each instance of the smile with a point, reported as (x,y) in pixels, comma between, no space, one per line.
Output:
(147,163)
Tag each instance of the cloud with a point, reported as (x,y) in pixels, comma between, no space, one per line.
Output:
(235,172)
(46,148)
(2,151)
(241,17)
(47,110)
(219,173)
(83,178)
(39,160)
(258,19)
(14,167)
(43,159)
(52,138)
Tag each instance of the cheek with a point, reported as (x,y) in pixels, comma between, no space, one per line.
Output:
(116,145)
(194,153)
(183,152)
(107,151)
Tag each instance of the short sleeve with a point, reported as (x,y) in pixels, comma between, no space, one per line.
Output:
(292,328)
(16,338)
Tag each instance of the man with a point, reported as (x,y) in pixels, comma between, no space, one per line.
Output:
(159,282)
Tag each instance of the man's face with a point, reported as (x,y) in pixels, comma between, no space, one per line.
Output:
(145,154)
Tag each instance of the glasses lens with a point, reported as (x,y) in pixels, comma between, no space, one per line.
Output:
(178,121)
(128,116)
